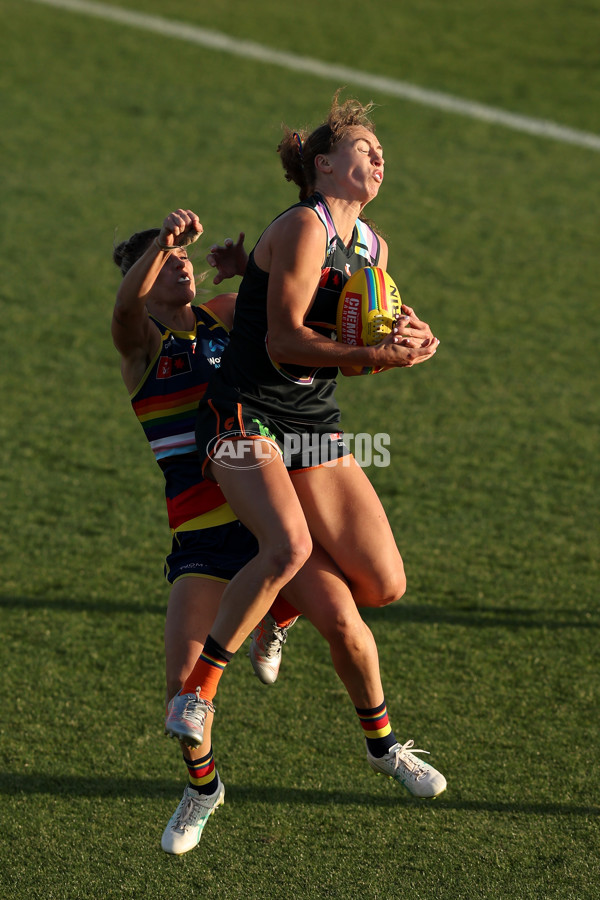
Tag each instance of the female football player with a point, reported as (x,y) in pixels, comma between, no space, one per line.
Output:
(168,347)
(276,382)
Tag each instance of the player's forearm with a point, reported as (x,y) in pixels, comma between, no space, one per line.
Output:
(140,278)
(305,347)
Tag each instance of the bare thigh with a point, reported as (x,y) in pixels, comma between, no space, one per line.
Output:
(263,498)
(346,517)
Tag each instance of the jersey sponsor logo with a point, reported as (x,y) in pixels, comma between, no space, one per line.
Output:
(212,350)
(169,366)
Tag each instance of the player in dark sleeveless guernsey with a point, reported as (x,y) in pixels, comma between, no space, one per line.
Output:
(169,348)
(275,389)
(273,386)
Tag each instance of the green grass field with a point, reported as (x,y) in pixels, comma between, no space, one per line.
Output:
(491,660)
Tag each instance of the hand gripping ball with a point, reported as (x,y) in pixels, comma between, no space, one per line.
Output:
(367,309)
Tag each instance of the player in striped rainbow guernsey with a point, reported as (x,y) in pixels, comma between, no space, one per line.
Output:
(168,347)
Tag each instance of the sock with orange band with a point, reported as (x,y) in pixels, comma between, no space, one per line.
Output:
(207,672)
(378,731)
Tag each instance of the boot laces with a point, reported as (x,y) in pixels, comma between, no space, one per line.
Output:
(196,708)
(405,758)
(272,640)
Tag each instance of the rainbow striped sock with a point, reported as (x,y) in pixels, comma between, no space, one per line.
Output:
(378,731)
(202,772)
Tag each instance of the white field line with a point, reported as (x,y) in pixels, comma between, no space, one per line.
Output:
(214,40)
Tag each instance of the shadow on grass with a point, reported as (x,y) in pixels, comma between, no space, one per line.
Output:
(473,616)
(68,604)
(481,616)
(69,787)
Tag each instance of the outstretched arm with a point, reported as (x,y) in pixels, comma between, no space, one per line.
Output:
(229,259)
(134,334)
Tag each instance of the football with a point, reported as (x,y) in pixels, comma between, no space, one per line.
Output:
(368,306)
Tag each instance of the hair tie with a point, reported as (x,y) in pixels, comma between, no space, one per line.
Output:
(299,142)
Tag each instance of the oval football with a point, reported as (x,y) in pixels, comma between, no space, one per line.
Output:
(368,307)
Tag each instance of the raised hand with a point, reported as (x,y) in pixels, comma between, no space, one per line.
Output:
(179,229)
(229,259)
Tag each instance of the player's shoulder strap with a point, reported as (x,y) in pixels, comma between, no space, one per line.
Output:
(318,205)
(367,243)
(164,330)
(322,210)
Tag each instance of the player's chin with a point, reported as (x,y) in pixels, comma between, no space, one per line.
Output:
(369,191)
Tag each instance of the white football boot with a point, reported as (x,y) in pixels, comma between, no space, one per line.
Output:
(417,776)
(185,826)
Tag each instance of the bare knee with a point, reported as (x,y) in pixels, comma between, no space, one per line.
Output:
(286,555)
(381,588)
(393,589)
(349,632)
